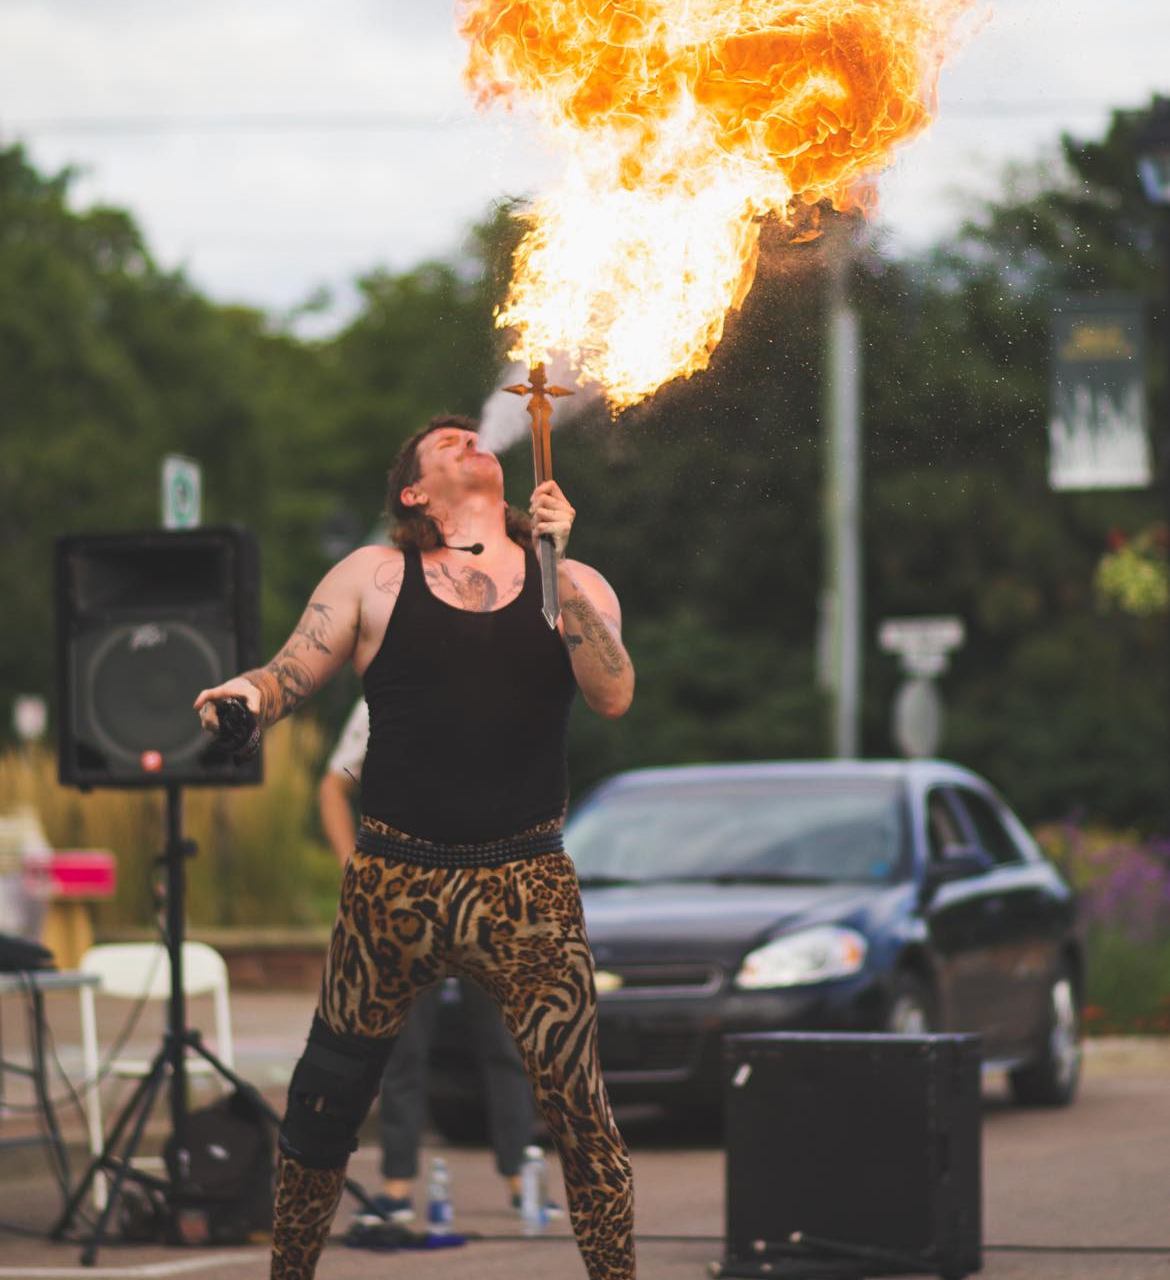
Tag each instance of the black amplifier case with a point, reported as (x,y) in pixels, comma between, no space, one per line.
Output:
(868,1142)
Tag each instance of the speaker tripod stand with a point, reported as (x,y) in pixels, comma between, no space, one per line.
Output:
(169,1063)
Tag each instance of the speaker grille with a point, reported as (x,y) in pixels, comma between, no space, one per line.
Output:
(138,682)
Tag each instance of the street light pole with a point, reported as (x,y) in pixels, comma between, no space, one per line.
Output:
(841,618)
(1152,144)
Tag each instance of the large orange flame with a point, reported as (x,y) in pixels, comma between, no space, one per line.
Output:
(682,123)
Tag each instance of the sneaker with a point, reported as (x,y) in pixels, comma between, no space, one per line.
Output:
(389,1209)
(552,1210)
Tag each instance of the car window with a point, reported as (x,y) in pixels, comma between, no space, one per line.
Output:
(942,827)
(848,829)
(994,837)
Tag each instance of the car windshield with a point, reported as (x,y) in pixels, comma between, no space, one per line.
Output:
(761,830)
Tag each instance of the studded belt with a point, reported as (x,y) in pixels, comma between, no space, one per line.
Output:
(375,837)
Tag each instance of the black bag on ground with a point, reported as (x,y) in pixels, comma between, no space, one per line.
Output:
(222,1180)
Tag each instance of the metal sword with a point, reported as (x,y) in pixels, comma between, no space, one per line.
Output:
(540,411)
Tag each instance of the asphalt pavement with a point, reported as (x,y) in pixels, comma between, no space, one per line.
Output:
(1081,1193)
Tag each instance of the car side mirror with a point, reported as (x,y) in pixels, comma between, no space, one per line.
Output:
(959,862)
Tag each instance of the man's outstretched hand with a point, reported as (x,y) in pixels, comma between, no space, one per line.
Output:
(237,687)
(231,712)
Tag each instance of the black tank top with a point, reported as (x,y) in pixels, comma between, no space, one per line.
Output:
(469,716)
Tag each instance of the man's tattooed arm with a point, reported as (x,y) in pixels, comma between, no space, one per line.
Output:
(592,635)
(322,641)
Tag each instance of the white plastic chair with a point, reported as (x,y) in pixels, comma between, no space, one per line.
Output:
(135,971)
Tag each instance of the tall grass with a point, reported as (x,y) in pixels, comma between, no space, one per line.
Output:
(261,860)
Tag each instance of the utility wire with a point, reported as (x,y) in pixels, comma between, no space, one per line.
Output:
(382,122)
(240,123)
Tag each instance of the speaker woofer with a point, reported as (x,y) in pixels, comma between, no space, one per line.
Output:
(138,685)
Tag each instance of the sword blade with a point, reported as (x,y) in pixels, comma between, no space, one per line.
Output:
(551,606)
(541,411)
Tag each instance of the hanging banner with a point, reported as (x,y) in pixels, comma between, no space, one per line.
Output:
(1097,426)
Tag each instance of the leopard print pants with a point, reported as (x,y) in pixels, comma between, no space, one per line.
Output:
(517,930)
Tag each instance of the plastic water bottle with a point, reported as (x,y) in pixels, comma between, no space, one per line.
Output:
(440,1212)
(533,1192)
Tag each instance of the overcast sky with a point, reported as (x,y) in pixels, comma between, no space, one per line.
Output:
(270,148)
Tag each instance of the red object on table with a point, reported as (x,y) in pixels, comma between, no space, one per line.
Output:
(82,873)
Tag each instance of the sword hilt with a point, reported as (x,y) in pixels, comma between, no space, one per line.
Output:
(540,411)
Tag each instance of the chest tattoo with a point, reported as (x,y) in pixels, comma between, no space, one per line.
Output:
(474,590)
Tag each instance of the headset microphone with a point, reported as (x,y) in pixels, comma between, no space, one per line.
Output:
(476,548)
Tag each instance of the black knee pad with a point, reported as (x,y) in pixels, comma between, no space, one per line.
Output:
(331,1090)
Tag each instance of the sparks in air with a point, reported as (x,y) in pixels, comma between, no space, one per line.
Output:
(681,124)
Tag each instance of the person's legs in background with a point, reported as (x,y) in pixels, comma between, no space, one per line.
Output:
(511,1111)
(403,1107)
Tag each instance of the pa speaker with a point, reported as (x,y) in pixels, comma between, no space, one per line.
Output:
(144,622)
(860,1151)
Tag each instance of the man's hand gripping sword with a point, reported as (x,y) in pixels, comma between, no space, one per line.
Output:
(540,411)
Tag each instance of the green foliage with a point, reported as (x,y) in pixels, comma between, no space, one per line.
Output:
(1134,576)
(1129,985)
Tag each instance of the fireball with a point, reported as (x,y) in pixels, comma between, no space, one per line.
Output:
(682,124)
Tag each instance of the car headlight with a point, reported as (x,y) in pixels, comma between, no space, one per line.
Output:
(812,955)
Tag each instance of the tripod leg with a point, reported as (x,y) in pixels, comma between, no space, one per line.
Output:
(152,1085)
(105,1157)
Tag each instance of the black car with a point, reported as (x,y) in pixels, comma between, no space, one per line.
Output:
(834,896)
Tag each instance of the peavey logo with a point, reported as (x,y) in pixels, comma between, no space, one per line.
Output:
(149,636)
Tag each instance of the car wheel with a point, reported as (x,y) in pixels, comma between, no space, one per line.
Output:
(459,1121)
(1051,1081)
(911,1011)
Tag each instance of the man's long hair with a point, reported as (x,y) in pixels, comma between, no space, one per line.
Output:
(412,527)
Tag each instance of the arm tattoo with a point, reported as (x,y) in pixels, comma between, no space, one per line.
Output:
(283,684)
(596,634)
(313,628)
(269,691)
(294,679)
